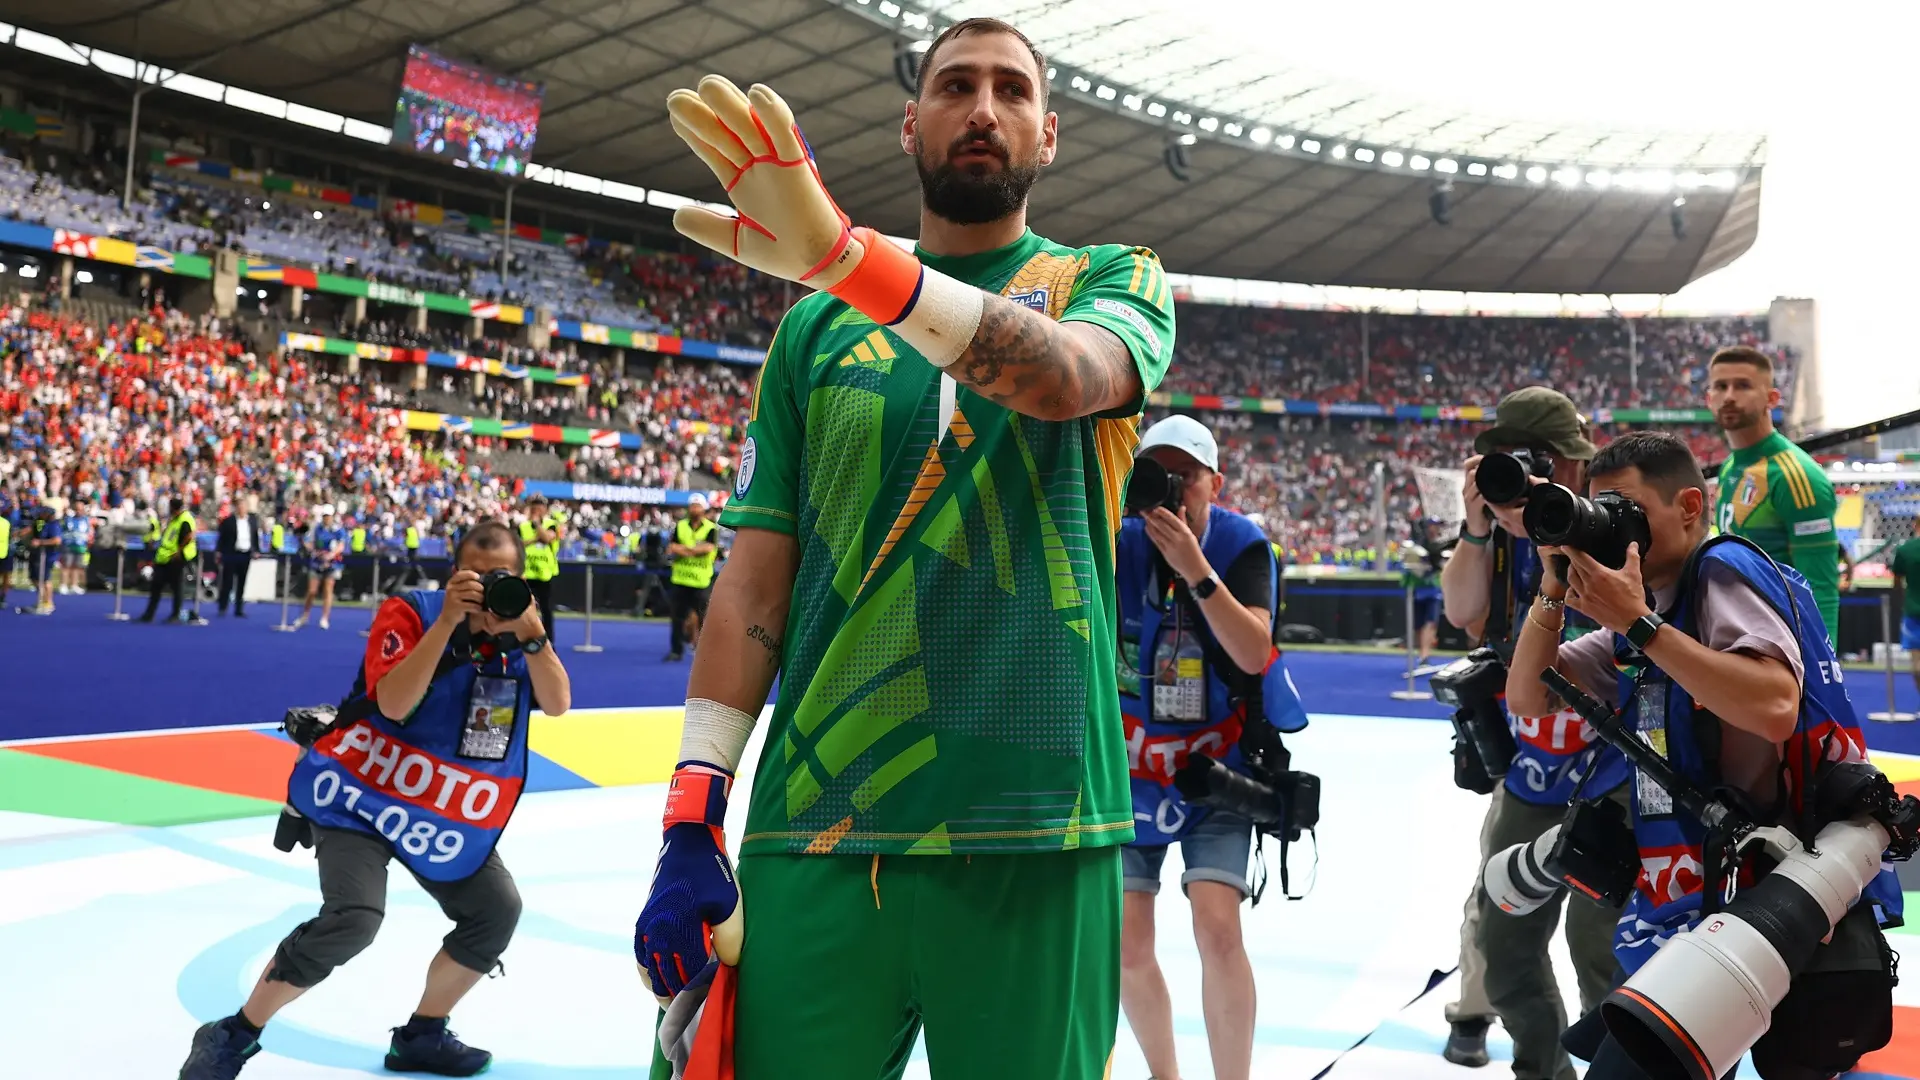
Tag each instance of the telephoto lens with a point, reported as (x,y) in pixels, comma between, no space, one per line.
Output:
(504,594)
(1709,993)
(1602,526)
(1206,782)
(1517,880)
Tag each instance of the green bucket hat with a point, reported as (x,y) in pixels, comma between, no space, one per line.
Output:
(1537,416)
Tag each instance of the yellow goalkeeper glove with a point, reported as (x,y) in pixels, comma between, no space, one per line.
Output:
(788,226)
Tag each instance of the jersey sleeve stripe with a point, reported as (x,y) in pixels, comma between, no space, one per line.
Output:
(1797,480)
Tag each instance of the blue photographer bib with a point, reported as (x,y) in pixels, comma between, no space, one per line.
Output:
(1667,898)
(438,787)
(1172,701)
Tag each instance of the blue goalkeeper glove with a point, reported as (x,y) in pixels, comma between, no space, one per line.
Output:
(693,912)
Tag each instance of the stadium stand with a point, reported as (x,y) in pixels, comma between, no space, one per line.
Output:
(1308,475)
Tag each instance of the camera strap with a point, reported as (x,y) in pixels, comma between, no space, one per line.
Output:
(1499,624)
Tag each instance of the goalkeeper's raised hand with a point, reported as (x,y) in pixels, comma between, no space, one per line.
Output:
(787,224)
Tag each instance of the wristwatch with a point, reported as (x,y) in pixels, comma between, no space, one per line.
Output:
(1207,586)
(1640,634)
(536,646)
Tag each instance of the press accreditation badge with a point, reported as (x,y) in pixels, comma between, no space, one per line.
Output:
(491,712)
(1650,722)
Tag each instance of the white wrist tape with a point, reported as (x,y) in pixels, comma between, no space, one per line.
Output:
(941,324)
(715,733)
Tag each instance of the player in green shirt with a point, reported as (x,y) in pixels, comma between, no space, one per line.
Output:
(1905,565)
(1770,491)
(925,504)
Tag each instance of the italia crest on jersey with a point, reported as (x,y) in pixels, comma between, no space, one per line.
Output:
(1034,298)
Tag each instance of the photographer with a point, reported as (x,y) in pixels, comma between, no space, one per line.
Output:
(424,762)
(1196,593)
(1722,662)
(1505,970)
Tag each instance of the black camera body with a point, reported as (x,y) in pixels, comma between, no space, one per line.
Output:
(308,724)
(504,595)
(1483,742)
(1602,526)
(1152,485)
(1596,853)
(1503,476)
(1280,802)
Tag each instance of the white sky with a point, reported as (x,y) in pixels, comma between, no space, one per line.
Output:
(1834,86)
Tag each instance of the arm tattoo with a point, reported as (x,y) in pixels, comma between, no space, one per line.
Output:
(1031,364)
(767,641)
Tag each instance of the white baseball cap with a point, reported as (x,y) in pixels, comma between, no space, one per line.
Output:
(1185,434)
(697,499)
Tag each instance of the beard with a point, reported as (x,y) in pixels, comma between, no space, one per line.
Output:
(965,197)
(1733,418)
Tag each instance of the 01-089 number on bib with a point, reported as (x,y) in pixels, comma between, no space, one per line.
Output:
(416,837)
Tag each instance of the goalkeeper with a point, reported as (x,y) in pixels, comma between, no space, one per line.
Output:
(925,504)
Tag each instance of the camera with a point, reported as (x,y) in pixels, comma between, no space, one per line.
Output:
(1734,981)
(1503,476)
(1602,526)
(1152,485)
(309,724)
(1483,743)
(1285,803)
(1592,851)
(504,595)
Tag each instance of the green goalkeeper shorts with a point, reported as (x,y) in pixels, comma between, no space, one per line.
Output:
(1010,962)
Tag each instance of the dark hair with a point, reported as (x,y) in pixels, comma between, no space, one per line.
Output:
(1744,354)
(490,535)
(984,26)
(1665,461)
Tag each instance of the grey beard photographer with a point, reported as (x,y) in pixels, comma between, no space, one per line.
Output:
(1723,667)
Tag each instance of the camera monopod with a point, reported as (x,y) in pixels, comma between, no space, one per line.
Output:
(1709,811)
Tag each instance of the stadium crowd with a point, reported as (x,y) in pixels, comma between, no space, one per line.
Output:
(656,292)
(1434,359)
(125,415)
(143,407)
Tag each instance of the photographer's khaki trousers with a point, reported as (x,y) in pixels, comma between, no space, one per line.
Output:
(1505,970)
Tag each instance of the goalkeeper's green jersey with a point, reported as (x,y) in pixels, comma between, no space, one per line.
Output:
(1773,494)
(948,671)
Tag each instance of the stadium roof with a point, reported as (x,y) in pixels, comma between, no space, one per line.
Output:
(1287,177)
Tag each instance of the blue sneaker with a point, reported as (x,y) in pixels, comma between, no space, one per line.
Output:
(431,1048)
(219,1050)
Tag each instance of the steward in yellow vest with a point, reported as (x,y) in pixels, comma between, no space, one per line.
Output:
(541,534)
(693,551)
(175,563)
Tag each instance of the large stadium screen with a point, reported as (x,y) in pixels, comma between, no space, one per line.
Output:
(473,118)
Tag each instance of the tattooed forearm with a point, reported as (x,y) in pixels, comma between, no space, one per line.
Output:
(767,641)
(1031,364)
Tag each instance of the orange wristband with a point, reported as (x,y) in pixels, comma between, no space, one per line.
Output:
(885,284)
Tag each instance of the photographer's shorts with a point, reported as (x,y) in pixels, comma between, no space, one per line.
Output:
(1218,849)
